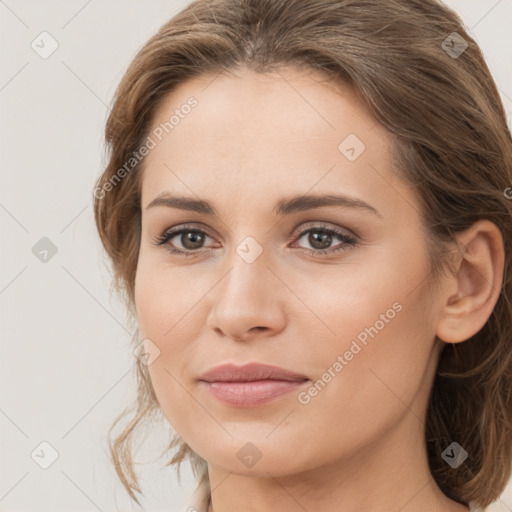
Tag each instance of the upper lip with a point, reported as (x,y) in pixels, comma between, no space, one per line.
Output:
(249,372)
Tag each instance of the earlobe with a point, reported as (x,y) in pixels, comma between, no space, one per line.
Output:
(477,280)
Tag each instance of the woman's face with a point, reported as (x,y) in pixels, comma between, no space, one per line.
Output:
(283,272)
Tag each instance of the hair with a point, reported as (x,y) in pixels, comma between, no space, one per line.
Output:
(451,142)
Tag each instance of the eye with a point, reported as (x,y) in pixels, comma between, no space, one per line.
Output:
(191,240)
(319,237)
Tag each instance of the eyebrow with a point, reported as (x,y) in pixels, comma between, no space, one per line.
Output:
(284,206)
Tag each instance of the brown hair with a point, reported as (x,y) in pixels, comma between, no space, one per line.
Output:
(452,144)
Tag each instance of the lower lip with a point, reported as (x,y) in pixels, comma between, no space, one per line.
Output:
(250,394)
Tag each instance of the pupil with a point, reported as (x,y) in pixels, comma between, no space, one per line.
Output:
(316,236)
(194,237)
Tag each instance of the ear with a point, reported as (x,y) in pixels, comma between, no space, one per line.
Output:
(473,289)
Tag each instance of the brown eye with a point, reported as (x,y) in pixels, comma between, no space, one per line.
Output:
(192,240)
(185,241)
(320,239)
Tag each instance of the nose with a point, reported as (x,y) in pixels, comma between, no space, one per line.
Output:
(248,302)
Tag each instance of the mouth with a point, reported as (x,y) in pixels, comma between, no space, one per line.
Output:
(250,385)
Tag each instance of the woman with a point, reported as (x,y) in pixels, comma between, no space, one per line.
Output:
(307,207)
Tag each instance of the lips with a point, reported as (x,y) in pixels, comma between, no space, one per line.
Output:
(250,385)
(250,372)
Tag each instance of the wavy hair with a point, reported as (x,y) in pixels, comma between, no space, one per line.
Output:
(451,143)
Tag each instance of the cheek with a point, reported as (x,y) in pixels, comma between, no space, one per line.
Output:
(373,337)
(364,388)
(372,373)
(168,313)
(163,297)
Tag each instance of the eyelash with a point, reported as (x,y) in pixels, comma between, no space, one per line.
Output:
(348,241)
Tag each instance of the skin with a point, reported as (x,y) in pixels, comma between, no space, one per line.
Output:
(252,140)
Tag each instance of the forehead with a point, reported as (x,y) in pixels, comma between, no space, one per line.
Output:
(289,131)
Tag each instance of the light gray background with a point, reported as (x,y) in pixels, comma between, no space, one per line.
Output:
(66,363)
